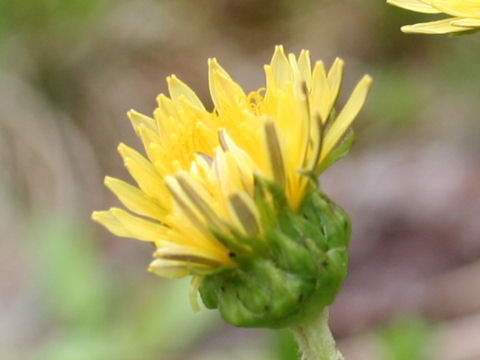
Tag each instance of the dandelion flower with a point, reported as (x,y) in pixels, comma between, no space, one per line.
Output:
(464,15)
(230,196)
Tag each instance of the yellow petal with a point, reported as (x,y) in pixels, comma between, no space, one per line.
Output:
(190,254)
(244,213)
(184,206)
(179,89)
(199,198)
(334,78)
(467,23)
(347,115)
(139,228)
(271,92)
(415,5)
(434,27)
(111,223)
(183,232)
(166,107)
(203,166)
(224,91)
(317,144)
(275,151)
(245,164)
(303,133)
(149,138)
(169,269)
(305,67)
(463,8)
(226,172)
(143,172)
(134,199)
(138,119)
(281,69)
(320,99)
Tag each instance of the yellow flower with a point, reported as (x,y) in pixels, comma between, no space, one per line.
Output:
(464,15)
(197,181)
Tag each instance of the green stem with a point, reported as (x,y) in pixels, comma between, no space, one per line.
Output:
(315,340)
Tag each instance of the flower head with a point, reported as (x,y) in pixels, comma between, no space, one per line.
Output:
(464,15)
(227,191)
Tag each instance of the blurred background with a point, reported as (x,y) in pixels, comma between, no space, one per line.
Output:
(70,70)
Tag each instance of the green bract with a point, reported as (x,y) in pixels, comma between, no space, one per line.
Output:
(293,271)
